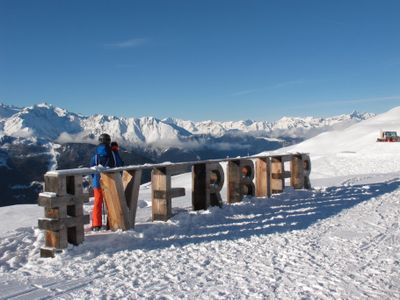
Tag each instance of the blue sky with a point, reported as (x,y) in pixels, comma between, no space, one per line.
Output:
(220,60)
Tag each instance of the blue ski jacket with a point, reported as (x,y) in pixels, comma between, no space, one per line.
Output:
(105,157)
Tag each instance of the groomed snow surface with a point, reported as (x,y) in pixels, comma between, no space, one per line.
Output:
(340,240)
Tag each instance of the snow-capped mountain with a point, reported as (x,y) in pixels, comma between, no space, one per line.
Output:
(48,122)
(286,126)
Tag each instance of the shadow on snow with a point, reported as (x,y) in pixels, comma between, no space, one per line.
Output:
(291,210)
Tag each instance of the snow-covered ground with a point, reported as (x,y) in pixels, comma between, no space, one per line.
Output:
(339,240)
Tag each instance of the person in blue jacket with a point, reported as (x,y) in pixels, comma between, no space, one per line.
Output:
(105,157)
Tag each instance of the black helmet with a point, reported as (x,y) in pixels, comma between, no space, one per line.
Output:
(104,138)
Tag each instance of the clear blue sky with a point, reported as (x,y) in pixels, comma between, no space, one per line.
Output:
(220,60)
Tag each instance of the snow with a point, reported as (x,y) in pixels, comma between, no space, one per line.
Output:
(18,218)
(340,240)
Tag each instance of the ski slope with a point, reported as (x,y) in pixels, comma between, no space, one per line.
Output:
(339,240)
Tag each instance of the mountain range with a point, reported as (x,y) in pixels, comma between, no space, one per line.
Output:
(51,123)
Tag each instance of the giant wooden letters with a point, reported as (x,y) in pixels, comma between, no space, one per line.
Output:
(63,197)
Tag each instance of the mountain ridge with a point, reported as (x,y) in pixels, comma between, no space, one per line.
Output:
(52,123)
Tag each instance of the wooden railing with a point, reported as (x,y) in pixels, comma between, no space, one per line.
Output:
(64,195)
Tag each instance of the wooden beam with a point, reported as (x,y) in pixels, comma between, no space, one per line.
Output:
(56,239)
(161,206)
(162,193)
(55,201)
(56,185)
(172,193)
(286,158)
(234,175)
(131,182)
(263,177)
(114,196)
(215,178)
(240,179)
(177,169)
(59,224)
(200,193)
(277,175)
(184,167)
(207,182)
(307,170)
(297,172)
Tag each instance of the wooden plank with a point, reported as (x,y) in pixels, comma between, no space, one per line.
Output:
(234,174)
(285,158)
(297,172)
(177,169)
(88,171)
(56,185)
(215,178)
(56,239)
(263,177)
(131,182)
(74,184)
(58,224)
(55,213)
(240,179)
(114,196)
(76,234)
(277,178)
(200,184)
(57,201)
(75,210)
(247,185)
(307,170)
(172,193)
(48,252)
(161,206)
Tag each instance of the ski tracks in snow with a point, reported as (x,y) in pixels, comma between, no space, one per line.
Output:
(337,242)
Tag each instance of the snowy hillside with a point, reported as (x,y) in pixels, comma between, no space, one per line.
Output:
(340,240)
(44,121)
(355,145)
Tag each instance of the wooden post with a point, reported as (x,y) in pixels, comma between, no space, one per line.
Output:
(161,203)
(162,193)
(114,196)
(207,182)
(277,175)
(297,172)
(240,179)
(263,177)
(131,181)
(307,170)
(64,219)
(216,180)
